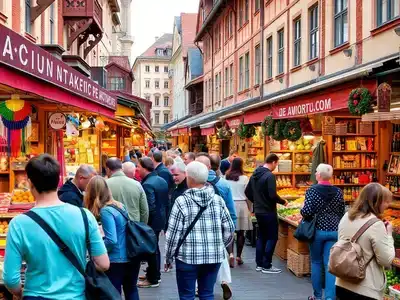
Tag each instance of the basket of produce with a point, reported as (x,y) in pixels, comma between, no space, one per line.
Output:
(20,196)
(394,291)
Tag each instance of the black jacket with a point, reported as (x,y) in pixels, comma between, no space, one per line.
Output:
(261,190)
(156,190)
(69,193)
(178,191)
(165,174)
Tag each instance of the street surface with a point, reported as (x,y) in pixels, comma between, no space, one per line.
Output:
(247,284)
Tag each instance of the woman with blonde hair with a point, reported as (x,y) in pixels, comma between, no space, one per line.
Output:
(376,242)
(123,272)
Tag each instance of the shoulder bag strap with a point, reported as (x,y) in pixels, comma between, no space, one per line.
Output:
(86,222)
(120,211)
(363,229)
(202,209)
(57,240)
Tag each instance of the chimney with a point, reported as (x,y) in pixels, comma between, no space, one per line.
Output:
(156,38)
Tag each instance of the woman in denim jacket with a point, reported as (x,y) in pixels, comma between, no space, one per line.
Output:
(123,272)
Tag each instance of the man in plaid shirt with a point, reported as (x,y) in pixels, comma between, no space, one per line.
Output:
(203,250)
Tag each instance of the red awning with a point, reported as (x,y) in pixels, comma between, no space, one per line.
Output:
(326,100)
(256,116)
(175,132)
(29,84)
(234,122)
(184,130)
(208,131)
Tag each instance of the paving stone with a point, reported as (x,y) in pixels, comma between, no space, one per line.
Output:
(247,284)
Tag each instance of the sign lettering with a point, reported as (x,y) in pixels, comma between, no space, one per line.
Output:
(21,54)
(305,108)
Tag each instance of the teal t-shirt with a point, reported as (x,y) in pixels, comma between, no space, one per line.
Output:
(49,273)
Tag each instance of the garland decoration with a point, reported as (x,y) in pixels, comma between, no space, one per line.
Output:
(279,126)
(246,131)
(15,124)
(267,126)
(224,133)
(360,101)
(292,131)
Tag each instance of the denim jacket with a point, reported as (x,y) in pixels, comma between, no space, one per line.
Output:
(114,226)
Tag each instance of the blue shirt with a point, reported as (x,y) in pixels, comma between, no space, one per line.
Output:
(225,190)
(114,227)
(49,273)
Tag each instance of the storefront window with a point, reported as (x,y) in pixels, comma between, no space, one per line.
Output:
(252,151)
(81,143)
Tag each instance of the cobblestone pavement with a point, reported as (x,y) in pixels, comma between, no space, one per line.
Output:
(247,284)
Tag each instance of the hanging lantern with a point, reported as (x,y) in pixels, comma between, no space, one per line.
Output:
(106,128)
(99,125)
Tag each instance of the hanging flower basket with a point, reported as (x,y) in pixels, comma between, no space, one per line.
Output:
(224,133)
(360,102)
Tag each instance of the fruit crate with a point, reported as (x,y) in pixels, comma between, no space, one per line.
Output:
(294,244)
(281,246)
(299,264)
(395,294)
(283,228)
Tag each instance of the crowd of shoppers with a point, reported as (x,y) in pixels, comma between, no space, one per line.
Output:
(201,203)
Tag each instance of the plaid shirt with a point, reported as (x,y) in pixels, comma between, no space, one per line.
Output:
(206,243)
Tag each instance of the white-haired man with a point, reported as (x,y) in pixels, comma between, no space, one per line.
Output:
(200,259)
(178,171)
(129,169)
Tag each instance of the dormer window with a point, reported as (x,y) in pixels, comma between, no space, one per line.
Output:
(160,52)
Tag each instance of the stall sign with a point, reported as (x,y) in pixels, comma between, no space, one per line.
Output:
(326,100)
(21,54)
(233,123)
(329,126)
(384,97)
(57,121)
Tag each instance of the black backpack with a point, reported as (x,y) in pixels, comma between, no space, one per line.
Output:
(140,238)
(97,284)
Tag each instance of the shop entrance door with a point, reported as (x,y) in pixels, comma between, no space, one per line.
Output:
(225,145)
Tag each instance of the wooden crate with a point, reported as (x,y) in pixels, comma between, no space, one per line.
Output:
(341,128)
(283,227)
(299,264)
(294,244)
(366,128)
(281,246)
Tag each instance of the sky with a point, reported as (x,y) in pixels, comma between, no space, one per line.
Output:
(153,18)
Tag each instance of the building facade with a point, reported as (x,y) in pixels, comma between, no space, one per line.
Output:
(152,82)
(183,36)
(253,49)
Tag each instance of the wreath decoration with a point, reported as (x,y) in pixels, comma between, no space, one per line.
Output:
(279,126)
(292,131)
(360,101)
(267,126)
(246,131)
(224,133)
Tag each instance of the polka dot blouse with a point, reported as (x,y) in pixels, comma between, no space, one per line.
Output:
(328,203)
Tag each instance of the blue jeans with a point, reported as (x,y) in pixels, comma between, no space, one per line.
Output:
(319,251)
(125,275)
(187,275)
(266,239)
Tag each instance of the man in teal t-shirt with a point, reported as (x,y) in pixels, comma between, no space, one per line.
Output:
(49,273)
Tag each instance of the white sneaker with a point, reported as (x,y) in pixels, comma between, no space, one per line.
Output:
(258,269)
(271,270)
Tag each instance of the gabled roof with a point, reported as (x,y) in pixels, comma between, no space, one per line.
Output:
(128,71)
(189,22)
(178,24)
(195,62)
(165,41)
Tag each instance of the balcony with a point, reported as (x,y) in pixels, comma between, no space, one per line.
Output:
(115,5)
(85,18)
(196,108)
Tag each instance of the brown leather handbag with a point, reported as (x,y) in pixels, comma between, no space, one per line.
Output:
(347,260)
